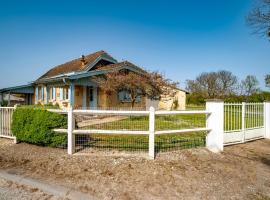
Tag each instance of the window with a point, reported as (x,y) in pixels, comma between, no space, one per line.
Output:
(65,93)
(91,95)
(124,96)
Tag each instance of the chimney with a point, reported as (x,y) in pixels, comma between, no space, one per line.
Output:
(83,62)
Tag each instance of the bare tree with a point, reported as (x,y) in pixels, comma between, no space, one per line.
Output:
(259,18)
(250,85)
(267,80)
(149,84)
(228,82)
(213,84)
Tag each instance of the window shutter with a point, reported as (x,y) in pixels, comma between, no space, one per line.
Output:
(36,93)
(54,93)
(61,93)
(42,93)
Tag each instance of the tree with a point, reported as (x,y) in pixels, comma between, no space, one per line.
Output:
(267,80)
(149,84)
(228,82)
(259,18)
(213,84)
(250,85)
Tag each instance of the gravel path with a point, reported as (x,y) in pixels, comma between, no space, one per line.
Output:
(36,188)
(13,191)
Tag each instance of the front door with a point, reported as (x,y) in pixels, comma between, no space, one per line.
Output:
(92,97)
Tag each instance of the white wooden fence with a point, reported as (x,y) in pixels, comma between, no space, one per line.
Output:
(5,122)
(213,127)
(226,124)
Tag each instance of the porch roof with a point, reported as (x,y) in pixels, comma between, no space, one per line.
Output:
(21,89)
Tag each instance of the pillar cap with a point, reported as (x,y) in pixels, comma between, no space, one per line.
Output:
(214,100)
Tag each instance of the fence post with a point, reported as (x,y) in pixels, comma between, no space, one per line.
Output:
(152,132)
(243,120)
(267,119)
(215,122)
(15,139)
(71,136)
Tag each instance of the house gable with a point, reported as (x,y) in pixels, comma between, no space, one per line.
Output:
(77,65)
(100,61)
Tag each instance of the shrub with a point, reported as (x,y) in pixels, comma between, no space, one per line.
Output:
(45,106)
(35,125)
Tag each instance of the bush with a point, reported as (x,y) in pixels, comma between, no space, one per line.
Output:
(46,106)
(35,125)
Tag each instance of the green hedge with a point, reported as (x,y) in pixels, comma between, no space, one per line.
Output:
(35,125)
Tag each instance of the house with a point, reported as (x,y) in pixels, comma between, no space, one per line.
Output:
(72,84)
(13,100)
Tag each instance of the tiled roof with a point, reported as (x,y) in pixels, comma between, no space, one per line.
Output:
(74,65)
(119,64)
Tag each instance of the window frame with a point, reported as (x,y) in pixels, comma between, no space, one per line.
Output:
(65,93)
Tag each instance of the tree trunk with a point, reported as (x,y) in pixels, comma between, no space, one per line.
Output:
(133,103)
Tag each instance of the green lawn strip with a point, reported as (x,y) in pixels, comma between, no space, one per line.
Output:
(161,123)
(140,142)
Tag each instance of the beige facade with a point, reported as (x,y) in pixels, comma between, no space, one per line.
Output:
(51,95)
(82,98)
(175,102)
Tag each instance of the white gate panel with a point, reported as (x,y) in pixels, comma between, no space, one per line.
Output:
(243,122)
(5,122)
(254,134)
(233,137)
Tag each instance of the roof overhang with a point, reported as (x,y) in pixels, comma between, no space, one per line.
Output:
(79,75)
(21,89)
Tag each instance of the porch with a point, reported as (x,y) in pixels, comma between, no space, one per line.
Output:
(24,91)
(80,94)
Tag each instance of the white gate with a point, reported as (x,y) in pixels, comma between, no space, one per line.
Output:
(243,122)
(5,122)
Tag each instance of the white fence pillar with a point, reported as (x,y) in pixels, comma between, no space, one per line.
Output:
(71,136)
(267,119)
(215,122)
(152,132)
(15,139)
(243,120)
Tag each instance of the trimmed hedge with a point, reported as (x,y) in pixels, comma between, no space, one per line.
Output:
(35,125)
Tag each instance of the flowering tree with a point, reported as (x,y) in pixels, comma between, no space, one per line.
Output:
(148,84)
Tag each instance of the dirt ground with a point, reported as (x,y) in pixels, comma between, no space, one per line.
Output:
(240,172)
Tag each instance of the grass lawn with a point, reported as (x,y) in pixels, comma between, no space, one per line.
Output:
(232,117)
(140,142)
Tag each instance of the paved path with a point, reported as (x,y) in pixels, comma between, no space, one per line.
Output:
(13,186)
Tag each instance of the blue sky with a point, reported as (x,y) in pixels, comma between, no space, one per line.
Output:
(178,38)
